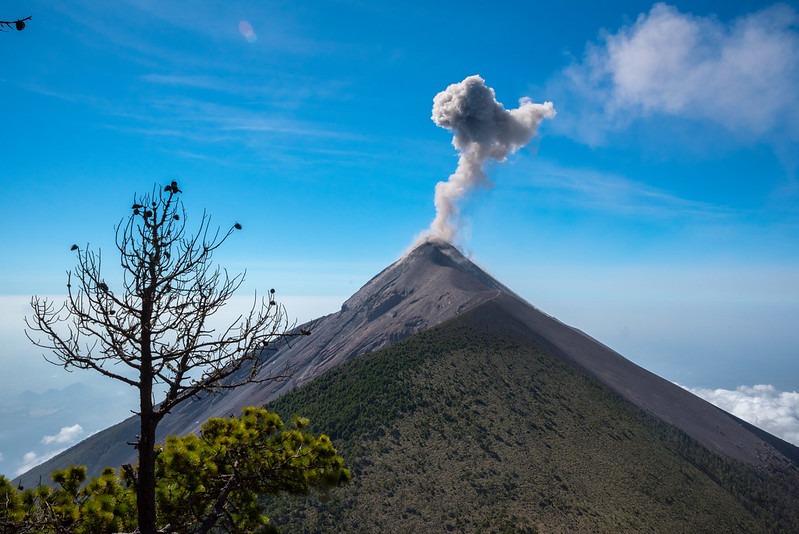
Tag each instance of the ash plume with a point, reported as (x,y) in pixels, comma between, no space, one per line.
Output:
(482,129)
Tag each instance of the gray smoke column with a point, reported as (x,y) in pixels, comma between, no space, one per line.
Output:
(482,129)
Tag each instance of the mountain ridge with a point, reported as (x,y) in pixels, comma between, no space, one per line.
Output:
(464,428)
(429,285)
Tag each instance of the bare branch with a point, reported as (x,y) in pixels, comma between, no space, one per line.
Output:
(155,322)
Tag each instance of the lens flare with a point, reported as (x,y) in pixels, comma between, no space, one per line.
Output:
(245,28)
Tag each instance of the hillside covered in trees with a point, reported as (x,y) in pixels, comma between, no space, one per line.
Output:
(458,429)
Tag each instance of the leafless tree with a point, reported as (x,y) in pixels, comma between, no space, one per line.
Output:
(156,326)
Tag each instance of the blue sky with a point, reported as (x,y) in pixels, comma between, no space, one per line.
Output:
(658,211)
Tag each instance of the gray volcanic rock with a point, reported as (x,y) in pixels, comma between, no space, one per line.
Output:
(429,285)
(432,283)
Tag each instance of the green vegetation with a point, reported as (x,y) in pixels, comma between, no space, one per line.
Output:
(211,481)
(150,332)
(457,430)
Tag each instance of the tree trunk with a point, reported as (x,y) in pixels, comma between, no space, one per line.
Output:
(145,488)
(145,494)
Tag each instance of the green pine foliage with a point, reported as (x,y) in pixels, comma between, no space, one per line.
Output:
(105,504)
(214,480)
(221,474)
(459,430)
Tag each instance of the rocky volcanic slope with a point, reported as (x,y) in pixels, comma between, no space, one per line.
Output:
(430,285)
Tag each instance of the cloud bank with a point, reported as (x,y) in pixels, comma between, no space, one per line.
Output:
(742,75)
(762,405)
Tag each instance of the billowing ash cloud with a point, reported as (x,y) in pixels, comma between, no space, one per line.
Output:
(482,129)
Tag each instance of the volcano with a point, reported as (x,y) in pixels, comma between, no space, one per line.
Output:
(435,291)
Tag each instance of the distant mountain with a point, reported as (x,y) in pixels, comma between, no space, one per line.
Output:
(434,284)
(431,284)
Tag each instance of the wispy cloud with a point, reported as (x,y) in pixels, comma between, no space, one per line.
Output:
(742,76)
(289,90)
(276,29)
(188,89)
(208,118)
(196,125)
(144,31)
(194,81)
(67,434)
(762,405)
(616,194)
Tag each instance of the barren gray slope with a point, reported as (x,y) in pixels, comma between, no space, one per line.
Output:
(427,286)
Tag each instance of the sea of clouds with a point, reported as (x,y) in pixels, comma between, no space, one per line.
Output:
(776,412)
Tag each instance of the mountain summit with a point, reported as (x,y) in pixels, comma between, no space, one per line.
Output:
(430,285)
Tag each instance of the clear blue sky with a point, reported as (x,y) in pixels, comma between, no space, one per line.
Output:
(658,211)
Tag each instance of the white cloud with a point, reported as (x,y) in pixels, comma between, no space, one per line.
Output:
(65,437)
(32,459)
(762,405)
(742,75)
(67,434)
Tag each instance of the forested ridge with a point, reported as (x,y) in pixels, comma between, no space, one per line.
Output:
(457,429)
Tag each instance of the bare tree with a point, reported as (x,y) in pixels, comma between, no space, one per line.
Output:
(156,326)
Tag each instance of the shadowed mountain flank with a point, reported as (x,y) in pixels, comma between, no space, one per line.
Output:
(430,285)
(668,402)
(468,427)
